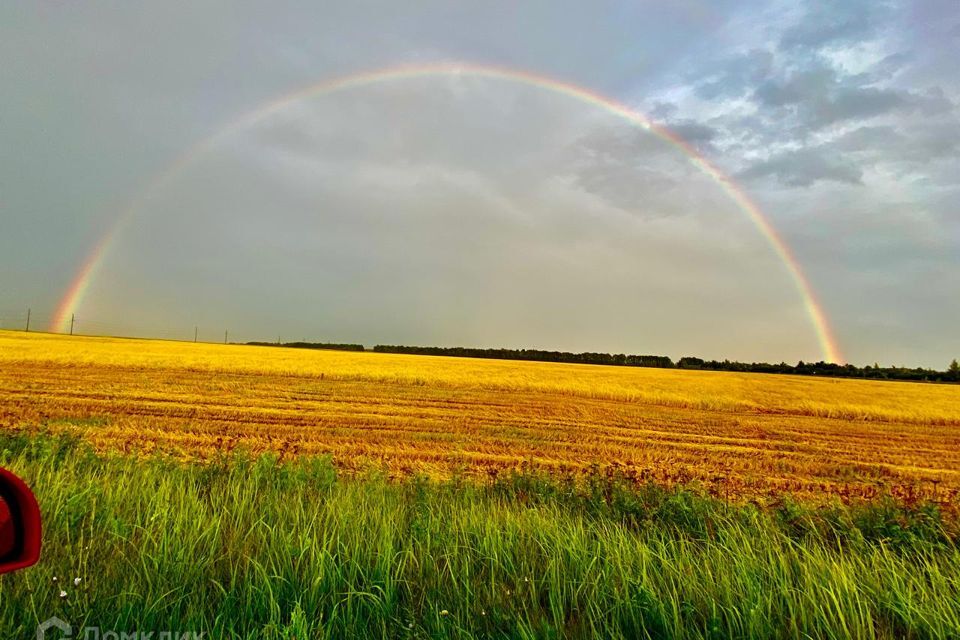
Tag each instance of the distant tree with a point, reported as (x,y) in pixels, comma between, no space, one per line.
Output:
(953,371)
(690,362)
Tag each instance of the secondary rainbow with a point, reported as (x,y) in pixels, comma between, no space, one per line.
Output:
(87,273)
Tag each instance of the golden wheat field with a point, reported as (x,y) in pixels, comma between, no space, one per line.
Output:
(742,435)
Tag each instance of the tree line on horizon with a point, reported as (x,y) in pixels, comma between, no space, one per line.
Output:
(831,369)
(821,368)
(538,355)
(333,346)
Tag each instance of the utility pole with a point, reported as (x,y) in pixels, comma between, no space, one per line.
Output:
(196,330)
(71,322)
(28,321)
(225,334)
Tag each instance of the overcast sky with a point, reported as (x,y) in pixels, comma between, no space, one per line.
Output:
(458,210)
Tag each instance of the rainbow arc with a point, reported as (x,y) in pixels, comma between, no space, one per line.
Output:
(88,270)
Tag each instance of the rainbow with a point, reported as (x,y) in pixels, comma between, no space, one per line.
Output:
(88,270)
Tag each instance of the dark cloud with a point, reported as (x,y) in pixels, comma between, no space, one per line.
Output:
(637,171)
(820,96)
(695,133)
(860,103)
(803,167)
(662,110)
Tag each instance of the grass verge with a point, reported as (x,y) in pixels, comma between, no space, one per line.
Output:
(246,547)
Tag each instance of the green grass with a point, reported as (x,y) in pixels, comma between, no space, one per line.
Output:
(256,548)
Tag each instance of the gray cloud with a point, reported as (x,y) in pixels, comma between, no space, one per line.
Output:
(803,167)
(859,103)
(921,143)
(892,64)
(819,97)
(836,23)
(696,133)
(641,174)
(662,110)
(735,76)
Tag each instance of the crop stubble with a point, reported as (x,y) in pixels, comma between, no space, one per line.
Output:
(740,435)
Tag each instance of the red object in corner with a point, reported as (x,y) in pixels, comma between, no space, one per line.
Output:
(21,531)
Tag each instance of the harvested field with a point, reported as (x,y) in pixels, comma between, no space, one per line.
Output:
(740,435)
